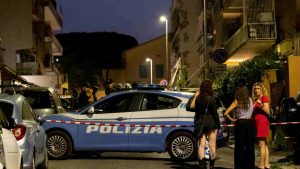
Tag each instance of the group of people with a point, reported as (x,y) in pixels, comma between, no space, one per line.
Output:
(84,96)
(251,124)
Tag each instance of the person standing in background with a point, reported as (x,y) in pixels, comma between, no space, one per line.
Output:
(245,129)
(261,110)
(208,117)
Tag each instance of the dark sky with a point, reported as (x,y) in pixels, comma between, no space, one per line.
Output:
(138,18)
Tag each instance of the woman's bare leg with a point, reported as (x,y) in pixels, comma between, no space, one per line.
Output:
(201,143)
(262,147)
(267,160)
(212,138)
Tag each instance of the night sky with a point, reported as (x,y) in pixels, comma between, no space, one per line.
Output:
(138,18)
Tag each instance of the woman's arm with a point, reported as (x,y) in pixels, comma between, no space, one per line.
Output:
(265,105)
(229,109)
(194,100)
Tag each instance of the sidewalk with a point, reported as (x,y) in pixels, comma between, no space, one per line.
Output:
(278,159)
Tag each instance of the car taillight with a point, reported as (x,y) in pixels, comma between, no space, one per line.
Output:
(19,131)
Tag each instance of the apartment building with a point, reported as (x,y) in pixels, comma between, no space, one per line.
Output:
(29,44)
(241,28)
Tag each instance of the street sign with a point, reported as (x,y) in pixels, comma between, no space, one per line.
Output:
(163,82)
(220,55)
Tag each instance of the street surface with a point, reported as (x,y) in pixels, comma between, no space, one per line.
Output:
(125,160)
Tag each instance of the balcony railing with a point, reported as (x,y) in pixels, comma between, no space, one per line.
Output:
(253,32)
(51,5)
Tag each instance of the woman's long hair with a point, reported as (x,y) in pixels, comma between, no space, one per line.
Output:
(264,90)
(206,88)
(242,96)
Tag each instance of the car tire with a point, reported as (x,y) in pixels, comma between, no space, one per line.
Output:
(59,145)
(182,146)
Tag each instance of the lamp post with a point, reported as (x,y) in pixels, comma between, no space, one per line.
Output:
(150,60)
(164,19)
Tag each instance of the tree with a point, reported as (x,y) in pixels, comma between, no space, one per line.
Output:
(252,70)
(86,55)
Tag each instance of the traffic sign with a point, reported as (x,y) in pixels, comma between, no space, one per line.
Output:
(220,55)
(163,82)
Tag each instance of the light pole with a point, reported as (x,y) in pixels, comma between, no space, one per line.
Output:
(164,19)
(150,60)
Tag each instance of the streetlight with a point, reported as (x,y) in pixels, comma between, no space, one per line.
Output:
(164,19)
(150,60)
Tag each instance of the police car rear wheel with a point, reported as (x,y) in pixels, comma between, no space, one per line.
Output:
(59,145)
(182,147)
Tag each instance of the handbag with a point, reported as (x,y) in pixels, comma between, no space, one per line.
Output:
(199,123)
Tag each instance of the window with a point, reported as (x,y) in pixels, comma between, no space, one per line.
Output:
(159,69)
(158,102)
(6,111)
(143,71)
(27,112)
(39,99)
(116,104)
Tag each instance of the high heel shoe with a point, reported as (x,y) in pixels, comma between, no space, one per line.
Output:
(267,166)
(260,167)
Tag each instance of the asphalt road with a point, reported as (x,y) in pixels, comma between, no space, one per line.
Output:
(122,160)
(125,160)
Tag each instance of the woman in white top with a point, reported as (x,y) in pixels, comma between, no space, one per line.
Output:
(245,130)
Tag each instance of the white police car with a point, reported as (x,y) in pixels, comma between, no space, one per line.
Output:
(135,120)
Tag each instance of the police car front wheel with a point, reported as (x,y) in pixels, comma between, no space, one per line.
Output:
(182,147)
(59,145)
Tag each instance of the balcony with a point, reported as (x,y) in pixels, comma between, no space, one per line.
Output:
(37,10)
(56,48)
(285,47)
(52,15)
(232,9)
(250,40)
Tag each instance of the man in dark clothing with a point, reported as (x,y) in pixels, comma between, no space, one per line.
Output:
(110,87)
(83,99)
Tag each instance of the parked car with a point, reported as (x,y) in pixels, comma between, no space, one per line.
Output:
(133,121)
(290,112)
(44,100)
(30,136)
(10,153)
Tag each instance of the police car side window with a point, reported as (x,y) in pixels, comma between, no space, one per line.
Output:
(116,104)
(158,102)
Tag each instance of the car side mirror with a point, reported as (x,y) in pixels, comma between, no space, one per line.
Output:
(91,110)
(41,119)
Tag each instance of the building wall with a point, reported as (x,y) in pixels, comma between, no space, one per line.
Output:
(154,49)
(15,28)
(294,75)
(185,38)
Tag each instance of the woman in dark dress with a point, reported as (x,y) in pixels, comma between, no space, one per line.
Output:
(210,121)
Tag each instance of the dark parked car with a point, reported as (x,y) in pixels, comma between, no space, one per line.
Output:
(290,112)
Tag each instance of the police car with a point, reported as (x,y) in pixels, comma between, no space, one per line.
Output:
(133,121)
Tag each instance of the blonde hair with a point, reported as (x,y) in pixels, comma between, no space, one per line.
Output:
(264,90)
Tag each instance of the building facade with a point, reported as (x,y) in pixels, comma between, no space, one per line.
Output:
(138,69)
(27,28)
(241,28)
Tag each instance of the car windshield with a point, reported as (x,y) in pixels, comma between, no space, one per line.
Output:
(39,99)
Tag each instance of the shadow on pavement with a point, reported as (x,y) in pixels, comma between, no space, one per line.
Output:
(182,165)
(95,155)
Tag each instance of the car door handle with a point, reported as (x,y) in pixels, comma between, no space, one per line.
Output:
(121,118)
